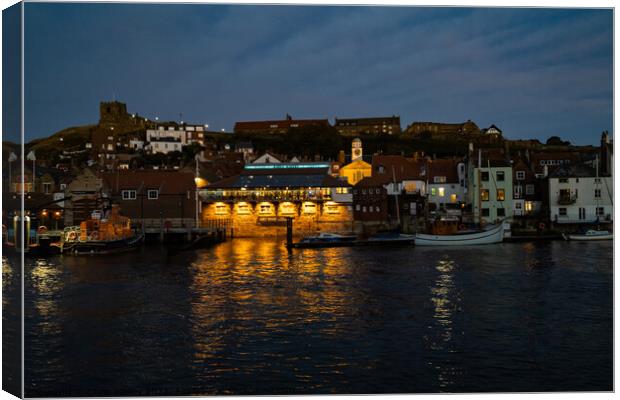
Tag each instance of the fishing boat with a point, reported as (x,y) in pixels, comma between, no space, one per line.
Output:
(98,235)
(591,234)
(490,236)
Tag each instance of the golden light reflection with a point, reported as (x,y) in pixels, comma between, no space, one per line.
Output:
(445,303)
(257,284)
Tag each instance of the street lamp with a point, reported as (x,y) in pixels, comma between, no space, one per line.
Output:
(56,217)
(43,216)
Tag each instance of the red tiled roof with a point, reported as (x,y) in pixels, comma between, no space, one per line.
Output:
(168,182)
(443,167)
(397,167)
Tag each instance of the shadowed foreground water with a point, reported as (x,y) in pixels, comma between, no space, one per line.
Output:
(247,317)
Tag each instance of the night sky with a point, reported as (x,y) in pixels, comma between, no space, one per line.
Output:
(532,72)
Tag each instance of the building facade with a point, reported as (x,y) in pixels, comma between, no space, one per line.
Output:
(490,191)
(577,195)
(258,201)
(368,126)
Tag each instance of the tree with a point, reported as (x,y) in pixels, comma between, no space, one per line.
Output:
(557,141)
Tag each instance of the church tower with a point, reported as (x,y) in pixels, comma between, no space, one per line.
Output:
(356,149)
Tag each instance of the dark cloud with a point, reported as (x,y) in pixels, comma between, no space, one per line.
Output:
(533,72)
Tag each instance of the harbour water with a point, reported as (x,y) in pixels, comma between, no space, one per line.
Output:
(249,317)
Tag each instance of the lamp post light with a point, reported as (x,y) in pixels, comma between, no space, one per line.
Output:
(56,218)
(43,217)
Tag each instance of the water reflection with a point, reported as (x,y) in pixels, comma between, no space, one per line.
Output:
(250,317)
(446,303)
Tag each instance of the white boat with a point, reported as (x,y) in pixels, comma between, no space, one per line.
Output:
(591,235)
(494,235)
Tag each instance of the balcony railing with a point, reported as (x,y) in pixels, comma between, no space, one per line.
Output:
(566,200)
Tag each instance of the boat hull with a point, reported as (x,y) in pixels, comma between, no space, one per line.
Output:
(102,247)
(495,235)
(589,237)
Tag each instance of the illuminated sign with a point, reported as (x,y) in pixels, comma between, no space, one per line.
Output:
(285,166)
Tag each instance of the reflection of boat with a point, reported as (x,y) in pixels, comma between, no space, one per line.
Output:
(591,234)
(494,235)
(101,236)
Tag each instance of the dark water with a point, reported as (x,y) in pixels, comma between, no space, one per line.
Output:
(246,317)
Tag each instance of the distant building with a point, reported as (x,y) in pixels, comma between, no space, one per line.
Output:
(446,185)
(172,137)
(368,126)
(528,190)
(153,196)
(370,203)
(490,189)
(277,126)
(441,129)
(576,195)
(357,169)
(492,131)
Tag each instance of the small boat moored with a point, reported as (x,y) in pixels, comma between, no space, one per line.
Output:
(591,234)
(326,239)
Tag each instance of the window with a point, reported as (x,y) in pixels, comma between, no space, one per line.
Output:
(243,209)
(453,198)
(220,209)
(265,209)
(597,193)
(364,209)
(563,180)
(485,212)
(47,187)
(357,207)
(433,192)
(597,180)
(152,194)
(500,176)
(518,206)
(562,211)
(501,195)
(128,194)
(441,191)
(363,191)
(501,212)
(518,191)
(378,209)
(309,208)
(484,195)
(484,176)
(378,191)
(439,179)
(529,189)
(63,186)
(600,211)
(520,175)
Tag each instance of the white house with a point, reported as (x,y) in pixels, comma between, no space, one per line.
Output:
(576,195)
(446,185)
(170,138)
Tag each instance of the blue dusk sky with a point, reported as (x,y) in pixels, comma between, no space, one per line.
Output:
(532,72)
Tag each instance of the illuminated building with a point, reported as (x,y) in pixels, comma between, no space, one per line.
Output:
(259,200)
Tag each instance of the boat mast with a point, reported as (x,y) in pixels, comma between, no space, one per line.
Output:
(396,197)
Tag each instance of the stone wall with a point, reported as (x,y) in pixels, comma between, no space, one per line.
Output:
(266,219)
